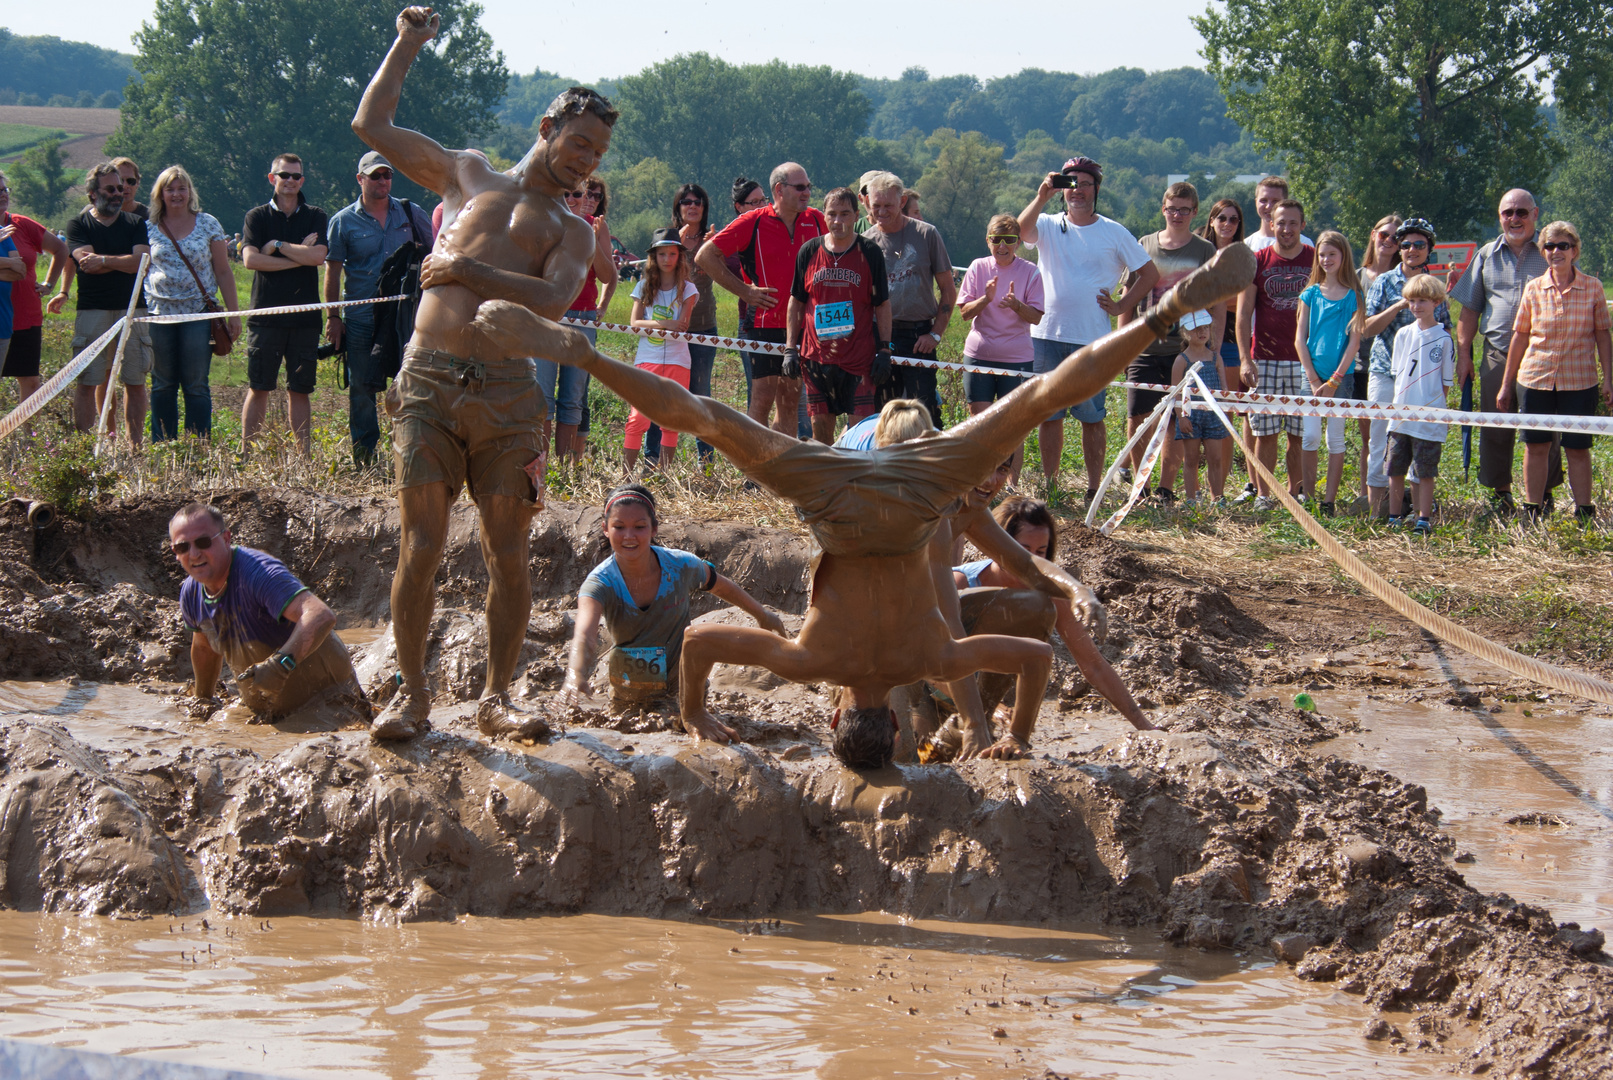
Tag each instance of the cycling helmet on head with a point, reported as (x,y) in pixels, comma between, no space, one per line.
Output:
(1080,163)
(1417,225)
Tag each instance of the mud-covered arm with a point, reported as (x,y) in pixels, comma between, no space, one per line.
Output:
(728,590)
(965,692)
(419,157)
(1036,572)
(549,293)
(583,643)
(206,665)
(1098,671)
(315,620)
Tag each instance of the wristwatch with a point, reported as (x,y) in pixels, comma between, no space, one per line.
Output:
(278,244)
(285,660)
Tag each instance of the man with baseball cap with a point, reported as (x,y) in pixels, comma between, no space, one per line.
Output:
(361,236)
(1083,255)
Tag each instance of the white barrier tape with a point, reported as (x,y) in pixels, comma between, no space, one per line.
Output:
(1162,427)
(289,309)
(53,386)
(747,345)
(135,296)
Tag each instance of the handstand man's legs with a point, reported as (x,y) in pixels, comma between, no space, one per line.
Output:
(706,645)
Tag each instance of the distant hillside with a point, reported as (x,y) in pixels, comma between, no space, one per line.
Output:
(50,71)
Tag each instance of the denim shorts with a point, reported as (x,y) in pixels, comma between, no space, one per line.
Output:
(989,386)
(1049,355)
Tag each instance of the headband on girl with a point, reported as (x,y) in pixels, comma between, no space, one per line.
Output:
(629,496)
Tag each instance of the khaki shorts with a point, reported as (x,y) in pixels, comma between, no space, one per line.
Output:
(881,502)
(90,325)
(460,422)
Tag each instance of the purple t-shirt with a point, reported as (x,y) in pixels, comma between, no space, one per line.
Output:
(998,335)
(244,623)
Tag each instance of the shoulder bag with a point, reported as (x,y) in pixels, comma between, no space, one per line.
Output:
(222,341)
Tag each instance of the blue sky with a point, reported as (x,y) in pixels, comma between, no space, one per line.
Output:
(592,41)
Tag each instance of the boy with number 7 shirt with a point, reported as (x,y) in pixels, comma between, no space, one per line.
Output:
(839,321)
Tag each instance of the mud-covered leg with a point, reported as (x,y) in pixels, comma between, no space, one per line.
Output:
(424,529)
(506,530)
(1004,426)
(706,646)
(508,329)
(1032,663)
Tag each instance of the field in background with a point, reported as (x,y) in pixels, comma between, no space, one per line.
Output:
(83,132)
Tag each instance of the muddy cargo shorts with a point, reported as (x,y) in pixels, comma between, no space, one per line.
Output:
(460,422)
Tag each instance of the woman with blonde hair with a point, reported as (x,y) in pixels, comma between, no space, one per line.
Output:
(190,266)
(1561,362)
(1327,338)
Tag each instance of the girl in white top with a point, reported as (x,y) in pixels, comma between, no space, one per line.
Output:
(663,299)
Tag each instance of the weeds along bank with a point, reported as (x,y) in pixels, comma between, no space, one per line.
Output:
(1220,831)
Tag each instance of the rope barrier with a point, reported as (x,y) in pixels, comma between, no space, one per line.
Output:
(112,381)
(54,385)
(1558,678)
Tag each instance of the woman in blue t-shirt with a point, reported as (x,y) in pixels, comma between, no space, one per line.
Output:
(1328,338)
(642,593)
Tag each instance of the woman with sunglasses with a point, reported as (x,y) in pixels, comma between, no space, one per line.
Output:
(1560,362)
(1387,312)
(691,216)
(1001,298)
(565,389)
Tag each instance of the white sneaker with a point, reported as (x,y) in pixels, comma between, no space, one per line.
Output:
(1264,503)
(1125,475)
(1301,499)
(1246,494)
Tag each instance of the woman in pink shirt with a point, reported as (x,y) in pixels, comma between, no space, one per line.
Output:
(1002,299)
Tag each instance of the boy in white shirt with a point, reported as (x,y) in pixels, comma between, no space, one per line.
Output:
(1424,366)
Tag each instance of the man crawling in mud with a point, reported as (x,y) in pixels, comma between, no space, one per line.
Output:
(873,622)
(245,608)
(461,418)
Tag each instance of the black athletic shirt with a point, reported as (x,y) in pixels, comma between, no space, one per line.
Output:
(840,293)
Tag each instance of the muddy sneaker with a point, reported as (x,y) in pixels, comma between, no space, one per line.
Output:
(497,715)
(407,716)
(1224,276)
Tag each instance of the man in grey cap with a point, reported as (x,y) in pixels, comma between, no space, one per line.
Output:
(361,237)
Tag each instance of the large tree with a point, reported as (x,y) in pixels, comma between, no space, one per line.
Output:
(230,83)
(959,190)
(1421,106)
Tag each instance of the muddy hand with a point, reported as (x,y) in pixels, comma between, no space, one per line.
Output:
(441,267)
(578,692)
(1007,748)
(1093,614)
(976,740)
(418,25)
(261,684)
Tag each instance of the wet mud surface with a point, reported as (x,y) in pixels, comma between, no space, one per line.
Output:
(1239,827)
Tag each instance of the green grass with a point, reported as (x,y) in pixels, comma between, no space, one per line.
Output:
(15,138)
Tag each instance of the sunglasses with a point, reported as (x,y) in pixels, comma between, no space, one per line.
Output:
(1515,213)
(202,543)
(576,194)
(1003,239)
(1226,219)
(1413,245)
(289,175)
(691,201)
(1558,245)
(803,188)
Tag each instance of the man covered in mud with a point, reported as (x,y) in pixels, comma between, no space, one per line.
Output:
(471,419)
(244,607)
(873,623)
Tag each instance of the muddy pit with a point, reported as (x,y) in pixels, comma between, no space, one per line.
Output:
(1226,832)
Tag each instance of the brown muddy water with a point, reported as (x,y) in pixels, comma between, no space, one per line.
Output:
(813,995)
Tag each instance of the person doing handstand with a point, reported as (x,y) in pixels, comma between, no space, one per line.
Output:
(642,593)
(874,622)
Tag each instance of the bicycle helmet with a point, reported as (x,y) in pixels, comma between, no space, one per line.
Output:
(1084,164)
(1417,225)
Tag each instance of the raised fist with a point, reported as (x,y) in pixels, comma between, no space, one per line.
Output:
(418,25)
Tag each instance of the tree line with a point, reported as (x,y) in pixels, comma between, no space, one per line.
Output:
(50,71)
(1432,107)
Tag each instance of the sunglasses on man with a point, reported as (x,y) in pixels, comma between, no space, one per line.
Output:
(289,175)
(202,543)
(1511,212)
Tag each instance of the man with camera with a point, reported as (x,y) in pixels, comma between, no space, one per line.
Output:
(282,242)
(1083,255)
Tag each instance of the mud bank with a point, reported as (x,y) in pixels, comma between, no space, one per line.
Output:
(1220,832)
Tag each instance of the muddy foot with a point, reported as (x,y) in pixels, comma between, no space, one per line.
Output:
(405,717)
(1228,274)
(498,715)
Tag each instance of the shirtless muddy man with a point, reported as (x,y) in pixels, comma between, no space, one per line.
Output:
(874,622)
(460,418)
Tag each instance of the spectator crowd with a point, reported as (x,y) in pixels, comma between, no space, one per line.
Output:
(847,285)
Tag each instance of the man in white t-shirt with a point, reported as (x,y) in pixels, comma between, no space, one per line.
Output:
(1082,257)
(1271,191)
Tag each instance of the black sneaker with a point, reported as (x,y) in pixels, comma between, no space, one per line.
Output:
(1501,504)
(1585,515)
(1327,509)
(1547,505)
(1165,496)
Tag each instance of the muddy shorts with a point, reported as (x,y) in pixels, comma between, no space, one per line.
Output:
(831,390)
(876,502)
(459,422)
(1279,377)
(1406,449)
(324,679)
(89,325)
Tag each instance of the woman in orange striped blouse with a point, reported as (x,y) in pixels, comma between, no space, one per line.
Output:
(1561,361)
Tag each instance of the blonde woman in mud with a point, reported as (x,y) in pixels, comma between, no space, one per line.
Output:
(883,520)
(642,593)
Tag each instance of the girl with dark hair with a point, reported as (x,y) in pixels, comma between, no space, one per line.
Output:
(642,593)
(691,217)
(1034,528)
